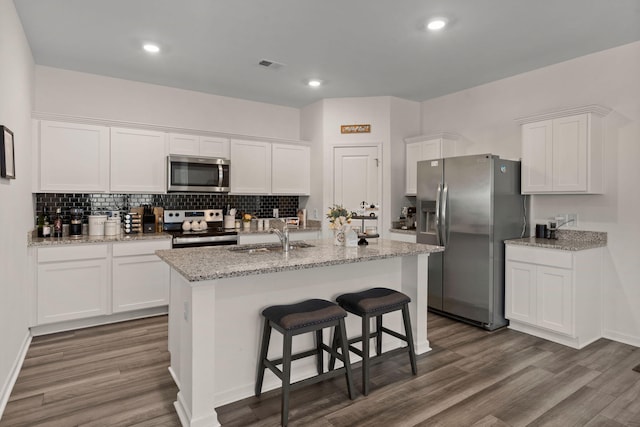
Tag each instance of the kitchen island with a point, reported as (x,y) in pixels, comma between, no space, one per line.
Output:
(218,293)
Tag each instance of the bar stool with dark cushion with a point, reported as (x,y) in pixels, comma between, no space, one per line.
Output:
(374,303)
(294,319)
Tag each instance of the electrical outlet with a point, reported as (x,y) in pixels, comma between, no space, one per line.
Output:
(572,220)
(315,214)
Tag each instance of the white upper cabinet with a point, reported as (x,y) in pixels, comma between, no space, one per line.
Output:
(71,158)
(562,152)
(138,161)
(427,147)
(259,167)
(290,169)
(212,146)
(184,144)
(250,167)
(198,145)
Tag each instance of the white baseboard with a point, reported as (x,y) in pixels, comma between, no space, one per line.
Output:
(70,325)
(623,338)
(7,387)
(186,419)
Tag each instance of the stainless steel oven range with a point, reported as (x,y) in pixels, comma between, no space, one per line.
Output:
(191,228)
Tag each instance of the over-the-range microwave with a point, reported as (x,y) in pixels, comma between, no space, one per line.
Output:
(197,174)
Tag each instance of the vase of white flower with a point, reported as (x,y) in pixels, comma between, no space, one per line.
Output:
(339,217)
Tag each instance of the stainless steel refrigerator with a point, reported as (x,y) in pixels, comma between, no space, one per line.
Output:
(469,205)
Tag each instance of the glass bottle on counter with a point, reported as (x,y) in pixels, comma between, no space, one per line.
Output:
(57,223)
(46,224)
(39,224)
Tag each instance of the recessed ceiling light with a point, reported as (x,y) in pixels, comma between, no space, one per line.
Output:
(436,24)
(314,83)
(151,48)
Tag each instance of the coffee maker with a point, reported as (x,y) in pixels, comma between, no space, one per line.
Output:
(409,214)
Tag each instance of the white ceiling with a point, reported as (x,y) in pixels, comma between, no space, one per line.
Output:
(357,47)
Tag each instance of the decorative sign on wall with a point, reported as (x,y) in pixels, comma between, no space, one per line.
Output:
(355,129)
(7,158)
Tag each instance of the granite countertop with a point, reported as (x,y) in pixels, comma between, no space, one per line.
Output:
(568,240)
(217,262)
(83,239)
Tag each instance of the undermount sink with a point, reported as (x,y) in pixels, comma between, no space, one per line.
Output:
(269,247)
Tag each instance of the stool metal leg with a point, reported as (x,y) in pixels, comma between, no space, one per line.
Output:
(286,378)
(264,348)
(344,343)
(366,330)
(409,334)
(379,335)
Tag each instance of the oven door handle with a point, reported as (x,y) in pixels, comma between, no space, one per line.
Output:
(204,239)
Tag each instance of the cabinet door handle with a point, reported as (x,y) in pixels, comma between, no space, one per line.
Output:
(438,219)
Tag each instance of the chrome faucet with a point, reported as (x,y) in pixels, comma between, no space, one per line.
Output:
(282,235)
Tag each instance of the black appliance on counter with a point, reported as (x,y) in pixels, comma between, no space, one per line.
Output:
(188,228)
(148,220)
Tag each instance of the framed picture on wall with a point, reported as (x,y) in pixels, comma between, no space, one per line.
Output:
(7,158)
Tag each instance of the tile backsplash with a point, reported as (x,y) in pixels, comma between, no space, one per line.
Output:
(260,205)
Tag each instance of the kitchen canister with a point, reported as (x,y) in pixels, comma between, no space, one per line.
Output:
(229,221)
(111,226)
(96,225)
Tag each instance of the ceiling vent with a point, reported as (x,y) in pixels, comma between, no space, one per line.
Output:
(272,65)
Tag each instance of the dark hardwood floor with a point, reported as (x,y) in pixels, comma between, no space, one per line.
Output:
(117,375)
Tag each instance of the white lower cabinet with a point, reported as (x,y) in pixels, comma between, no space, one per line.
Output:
(72,283)
(87,280)
(139,278)
(554,294)
(402,237)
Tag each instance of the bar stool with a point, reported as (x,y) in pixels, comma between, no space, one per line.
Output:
(370,303)
(307,316)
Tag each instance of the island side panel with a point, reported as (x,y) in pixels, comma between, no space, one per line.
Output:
(414,284)
(192,337)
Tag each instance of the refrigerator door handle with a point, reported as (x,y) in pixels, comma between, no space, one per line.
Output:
(444,230)
(438,232)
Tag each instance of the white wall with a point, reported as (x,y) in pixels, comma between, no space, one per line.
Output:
(405,122)
(16,206)
(78,94)
(347,111)
(485,115)
(391,119)
(311,119)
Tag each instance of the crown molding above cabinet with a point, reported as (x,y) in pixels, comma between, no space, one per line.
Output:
(596,109)
(160,128)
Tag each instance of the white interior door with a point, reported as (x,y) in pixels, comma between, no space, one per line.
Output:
(356,176)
